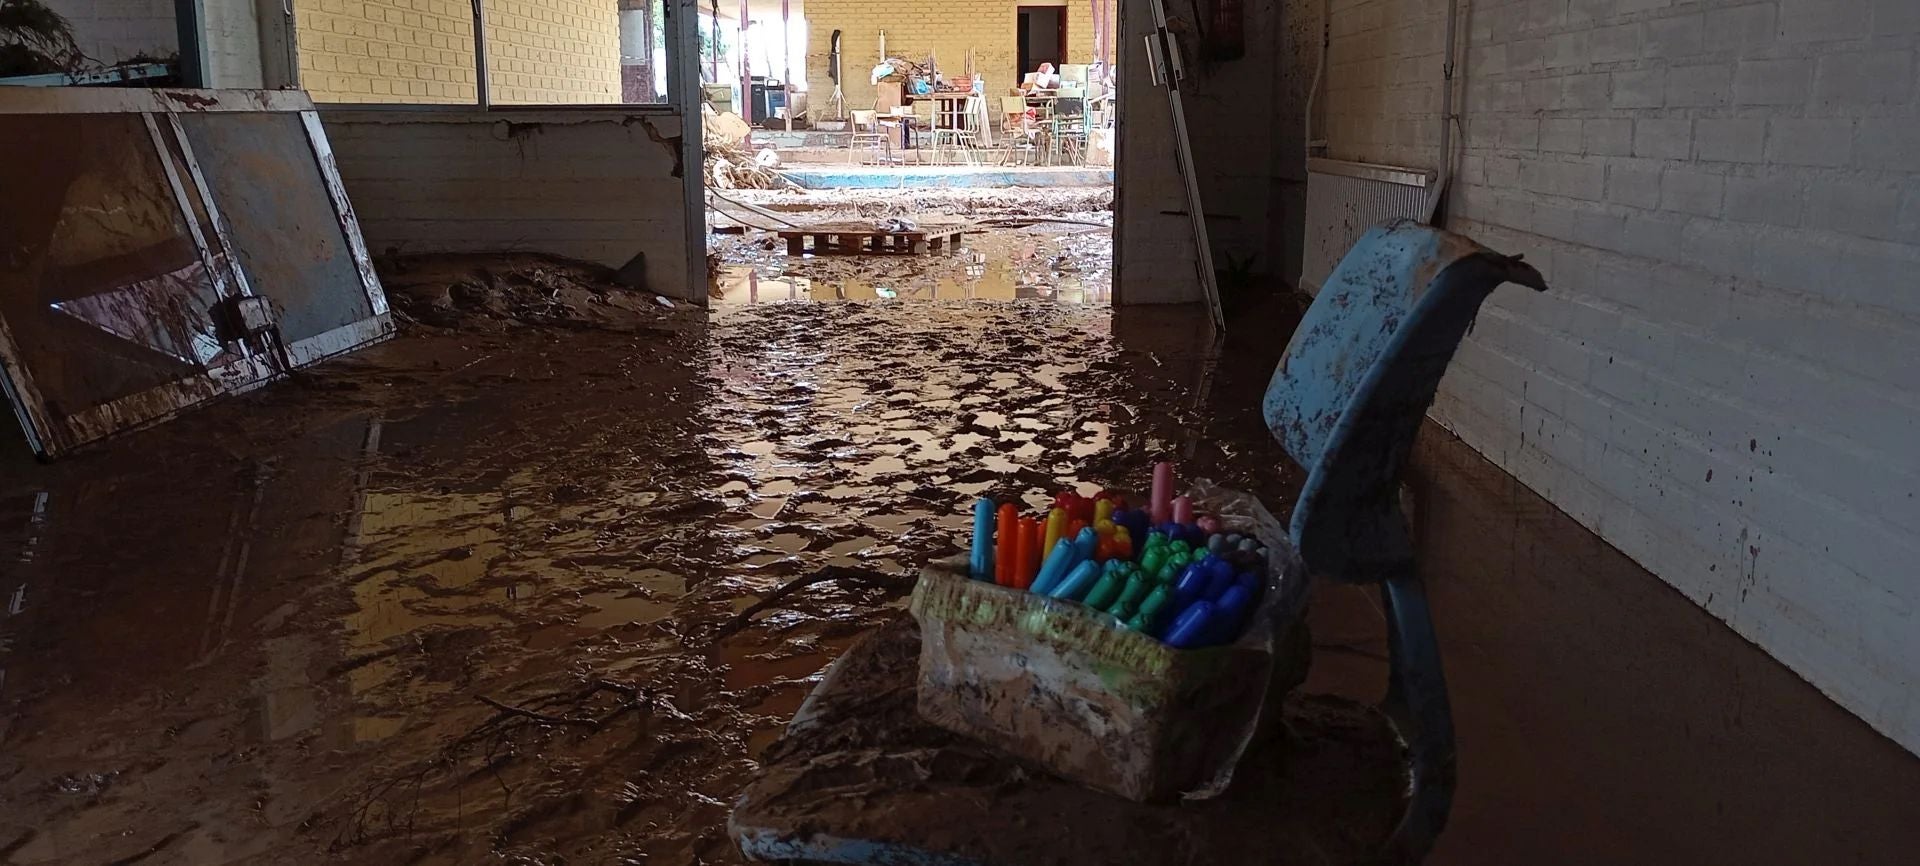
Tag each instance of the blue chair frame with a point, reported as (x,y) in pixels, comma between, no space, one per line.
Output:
(1347,401)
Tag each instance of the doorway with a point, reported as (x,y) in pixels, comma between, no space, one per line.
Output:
(1042,38)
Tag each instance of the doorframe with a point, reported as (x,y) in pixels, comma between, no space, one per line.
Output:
(1060,47)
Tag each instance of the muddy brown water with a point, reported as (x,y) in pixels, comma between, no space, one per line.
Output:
(475,593)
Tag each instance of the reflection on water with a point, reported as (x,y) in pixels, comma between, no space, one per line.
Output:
(1003,265)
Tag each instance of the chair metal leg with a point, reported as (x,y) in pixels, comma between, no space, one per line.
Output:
(1417,702)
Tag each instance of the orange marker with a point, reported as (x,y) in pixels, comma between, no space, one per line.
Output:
(1030,559)
(1006,530)
(1022,551)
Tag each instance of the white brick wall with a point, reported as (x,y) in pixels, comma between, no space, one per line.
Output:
(589,185)
(1725,380)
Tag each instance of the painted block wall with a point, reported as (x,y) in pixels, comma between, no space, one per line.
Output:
(110,31)
(597,185)
(556,52)
(393,51)
(1724,382)
(916,28)
(553,51)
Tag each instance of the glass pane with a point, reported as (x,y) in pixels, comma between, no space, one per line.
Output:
(387,51)
(766,55)
(575,52)
(282,222)
(104,292)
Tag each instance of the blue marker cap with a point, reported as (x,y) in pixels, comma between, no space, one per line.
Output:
(1190,627)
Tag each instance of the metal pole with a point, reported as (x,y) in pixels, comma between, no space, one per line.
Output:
(1099,33)
(1439,192)
(682,49)
(746,73)
(786,62)
(480,92)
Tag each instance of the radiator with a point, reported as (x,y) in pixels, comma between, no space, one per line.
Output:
(1344,199)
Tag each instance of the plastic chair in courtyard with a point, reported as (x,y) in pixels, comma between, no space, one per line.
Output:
(1346,402)
(1019,133)
(867,135)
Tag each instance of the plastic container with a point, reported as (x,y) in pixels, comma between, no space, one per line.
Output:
(1068,688)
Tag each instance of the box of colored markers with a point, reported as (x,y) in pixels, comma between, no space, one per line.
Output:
(1135,656)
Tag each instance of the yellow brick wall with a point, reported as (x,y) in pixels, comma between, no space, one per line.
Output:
(421,51)
(553,51)
(915,27)
(386,50)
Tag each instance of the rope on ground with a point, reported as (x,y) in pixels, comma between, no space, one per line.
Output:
(748,224)
(755,209)
(1015,222)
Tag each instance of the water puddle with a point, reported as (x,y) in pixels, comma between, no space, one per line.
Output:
(1041,262)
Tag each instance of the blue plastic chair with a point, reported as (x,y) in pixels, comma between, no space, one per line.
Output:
(1346,402)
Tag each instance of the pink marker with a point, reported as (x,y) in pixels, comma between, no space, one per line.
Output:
(1161,507)
(1183,510)
(1209,524)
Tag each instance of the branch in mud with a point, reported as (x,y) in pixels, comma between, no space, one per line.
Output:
(824,575)
(542,718)
(536,711)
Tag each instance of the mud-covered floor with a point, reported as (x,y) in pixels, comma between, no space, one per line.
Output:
(323,620)
(487,593)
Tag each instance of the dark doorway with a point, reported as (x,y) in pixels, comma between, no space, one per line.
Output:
(1043,39)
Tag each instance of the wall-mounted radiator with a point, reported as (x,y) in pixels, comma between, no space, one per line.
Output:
(1344,199)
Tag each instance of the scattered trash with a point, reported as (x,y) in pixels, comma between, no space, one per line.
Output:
(486,292)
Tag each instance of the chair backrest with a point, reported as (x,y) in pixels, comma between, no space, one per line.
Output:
(1358,376)
(1013,105)
(863,119)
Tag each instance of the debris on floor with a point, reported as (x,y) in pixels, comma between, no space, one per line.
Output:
(496,291)
(728,164)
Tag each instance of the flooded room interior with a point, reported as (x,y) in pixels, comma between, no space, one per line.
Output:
(1050,432)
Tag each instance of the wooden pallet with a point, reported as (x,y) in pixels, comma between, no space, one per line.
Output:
(862,240)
